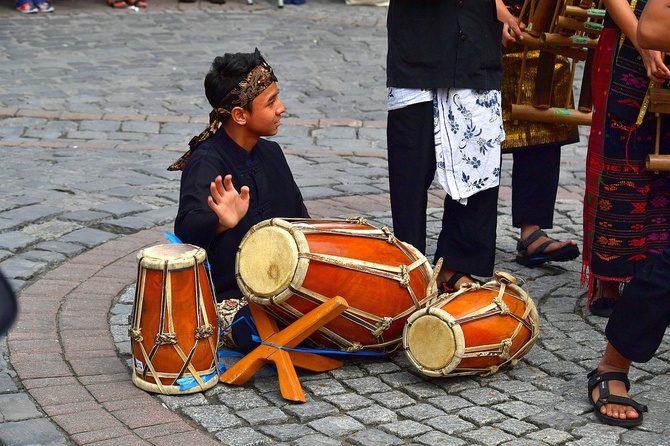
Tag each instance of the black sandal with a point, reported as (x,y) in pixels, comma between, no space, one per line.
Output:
(602,382)
(450,285)
(539,256)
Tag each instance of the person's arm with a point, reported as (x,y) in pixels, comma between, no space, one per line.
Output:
(652,31)
(512,28)
(625,19)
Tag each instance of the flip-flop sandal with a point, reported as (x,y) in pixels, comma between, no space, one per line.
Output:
(604,397)
(539,257)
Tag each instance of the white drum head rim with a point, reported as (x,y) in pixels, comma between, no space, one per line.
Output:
(177,255)
(442,352)
(268,263)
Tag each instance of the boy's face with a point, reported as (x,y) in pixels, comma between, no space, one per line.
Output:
(266,109)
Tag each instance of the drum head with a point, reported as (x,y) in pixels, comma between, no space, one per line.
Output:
(267,261)
(433,341)
(177,255)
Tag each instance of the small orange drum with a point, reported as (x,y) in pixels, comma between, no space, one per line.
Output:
(473,331)
(291,266)
(173,326)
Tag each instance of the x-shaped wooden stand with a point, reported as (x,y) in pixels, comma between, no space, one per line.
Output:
(274,341)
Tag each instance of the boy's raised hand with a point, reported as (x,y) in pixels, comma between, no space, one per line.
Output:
(229,205)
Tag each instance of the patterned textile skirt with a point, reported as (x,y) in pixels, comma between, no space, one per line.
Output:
(626,207)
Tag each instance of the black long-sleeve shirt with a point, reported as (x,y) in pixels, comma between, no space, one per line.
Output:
(273,193)
(444,44)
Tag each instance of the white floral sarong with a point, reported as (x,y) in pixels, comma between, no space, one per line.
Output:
(468,132)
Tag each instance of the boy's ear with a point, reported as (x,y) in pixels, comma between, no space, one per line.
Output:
(239,115)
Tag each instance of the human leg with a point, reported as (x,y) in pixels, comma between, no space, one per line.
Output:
(634,331)
(26,7)
(608,390)
(467,242)
(411,161)
(535,175)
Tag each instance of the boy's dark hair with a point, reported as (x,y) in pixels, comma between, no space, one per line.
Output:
(226,73)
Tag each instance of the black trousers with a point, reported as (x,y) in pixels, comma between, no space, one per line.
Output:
(641,316)
(467,239)
(535,175)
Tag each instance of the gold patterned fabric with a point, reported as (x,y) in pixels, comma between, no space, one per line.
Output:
(525,133)
(258,79)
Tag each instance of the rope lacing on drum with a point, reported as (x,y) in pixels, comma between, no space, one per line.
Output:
(358,220)
(382,326)
(390,238)
(504,309)
(135,334)
(506,346)
(355,347)
(404,276)
(166,338)
(491,371)
(204,331)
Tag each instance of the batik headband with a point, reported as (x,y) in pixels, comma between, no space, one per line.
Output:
(255,83)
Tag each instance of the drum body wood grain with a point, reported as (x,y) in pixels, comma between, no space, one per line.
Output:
(291,266)
(473,331)
(173,325)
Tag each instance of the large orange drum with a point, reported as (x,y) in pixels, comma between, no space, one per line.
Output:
(173,326)
(291,266)
(474,331)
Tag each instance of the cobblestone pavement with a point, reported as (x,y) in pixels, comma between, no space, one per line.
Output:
(96,102)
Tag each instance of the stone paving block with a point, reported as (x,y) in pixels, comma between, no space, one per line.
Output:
(33,432)
(423,390)
(488,436)
(392,400)
(367,385)
(286,431)
(22,269)
(88,421)
(88,237)
(17,407)
(436,438)
(242,400)
(405,429)
(120,209)
(421,412)
(84,216)
(324,387)
(373,437)
(400,379)
(316,440)
(551,436)
(336,426)
(7,385)
(516,409)
(243,436)
(68,249)
(213,417)
(516,427)
(15,241)
(311,410)
(110,433)
(262,415)
(555,420)
(481,415)
(450,424)
(373,415)
(348,401)
(125,225)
